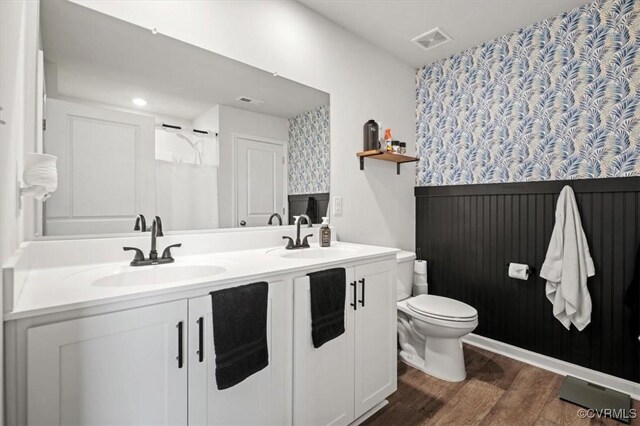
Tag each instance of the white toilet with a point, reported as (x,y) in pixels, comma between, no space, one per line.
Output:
(430,327)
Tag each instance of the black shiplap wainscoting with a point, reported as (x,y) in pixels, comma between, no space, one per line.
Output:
(298,205)
(468,233)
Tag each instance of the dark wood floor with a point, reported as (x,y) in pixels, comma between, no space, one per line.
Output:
(498,391)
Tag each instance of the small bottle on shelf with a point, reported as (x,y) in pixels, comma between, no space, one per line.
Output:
(403,148)
(387,140)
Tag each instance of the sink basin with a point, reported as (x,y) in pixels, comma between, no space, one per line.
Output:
(315,252)
(127,276)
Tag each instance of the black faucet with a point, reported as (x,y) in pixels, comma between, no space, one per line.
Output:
(156,231)
(141,223)
(277,216)
(299,244)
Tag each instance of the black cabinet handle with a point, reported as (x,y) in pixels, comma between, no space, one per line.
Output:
(355,296)
(200,339)
(179,357)
(362,300)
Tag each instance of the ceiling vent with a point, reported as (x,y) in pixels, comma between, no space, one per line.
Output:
(431,39)
(249,100)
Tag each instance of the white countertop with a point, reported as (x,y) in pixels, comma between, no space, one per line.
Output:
(58,289)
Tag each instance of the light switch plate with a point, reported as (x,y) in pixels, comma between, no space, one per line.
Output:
(337,206)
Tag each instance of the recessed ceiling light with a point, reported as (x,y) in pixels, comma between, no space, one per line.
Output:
(139,102)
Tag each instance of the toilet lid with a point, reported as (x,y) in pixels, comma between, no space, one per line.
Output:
(442,308)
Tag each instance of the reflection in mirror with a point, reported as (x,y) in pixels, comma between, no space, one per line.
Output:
(145,124)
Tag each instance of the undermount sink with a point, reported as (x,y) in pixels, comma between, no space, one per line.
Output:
(315,252)
(157,274)
(128,276)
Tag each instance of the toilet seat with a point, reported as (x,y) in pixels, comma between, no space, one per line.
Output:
(442,308)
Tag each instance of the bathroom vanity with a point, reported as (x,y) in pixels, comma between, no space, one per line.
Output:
(103,342)
(94,335)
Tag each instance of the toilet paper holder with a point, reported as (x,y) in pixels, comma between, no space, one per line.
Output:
(531,269)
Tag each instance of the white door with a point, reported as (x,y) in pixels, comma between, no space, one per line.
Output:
(106,168)
(261,399)
(323,389)
(118,368)
(260,180)
(375,334)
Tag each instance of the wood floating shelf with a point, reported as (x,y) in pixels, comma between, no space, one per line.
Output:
(385,156)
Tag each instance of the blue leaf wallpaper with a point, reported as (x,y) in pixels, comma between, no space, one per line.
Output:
(309,141)
(556,100)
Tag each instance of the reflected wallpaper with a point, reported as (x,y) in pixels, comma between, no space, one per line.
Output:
(556,100)
(309,142)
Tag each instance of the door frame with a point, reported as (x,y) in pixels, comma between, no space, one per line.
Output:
(234,175)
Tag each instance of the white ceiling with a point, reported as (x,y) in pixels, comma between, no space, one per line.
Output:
(391,24)
(98,58)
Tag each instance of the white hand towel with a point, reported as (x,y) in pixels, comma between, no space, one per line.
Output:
(568,264)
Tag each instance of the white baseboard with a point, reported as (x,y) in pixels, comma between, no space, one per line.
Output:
(555,365)
(369,413)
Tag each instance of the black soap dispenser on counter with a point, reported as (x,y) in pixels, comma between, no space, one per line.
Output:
(325,233)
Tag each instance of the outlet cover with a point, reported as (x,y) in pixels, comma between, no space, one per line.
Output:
(337,206)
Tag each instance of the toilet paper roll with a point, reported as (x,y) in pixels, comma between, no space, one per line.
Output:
(420,272)
(519,271)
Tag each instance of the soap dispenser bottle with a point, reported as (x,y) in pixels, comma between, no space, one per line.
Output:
(325,233)
(371,135)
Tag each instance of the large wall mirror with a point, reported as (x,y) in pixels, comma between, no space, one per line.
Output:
(144,124)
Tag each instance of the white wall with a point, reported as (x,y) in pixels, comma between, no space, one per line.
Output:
(208,120)
(363,81)
(18,47)
(233,121)
(18,58)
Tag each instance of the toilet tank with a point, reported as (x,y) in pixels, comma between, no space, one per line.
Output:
(405,273)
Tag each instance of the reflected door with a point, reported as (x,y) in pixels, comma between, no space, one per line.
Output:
(260,180)
(106,168)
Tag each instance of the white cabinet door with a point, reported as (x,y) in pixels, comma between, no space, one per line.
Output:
(118,368)
(375,335)
(323,377)
(261,399)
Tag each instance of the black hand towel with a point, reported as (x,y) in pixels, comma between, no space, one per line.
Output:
(327,305)
(240,332)
(311,209)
